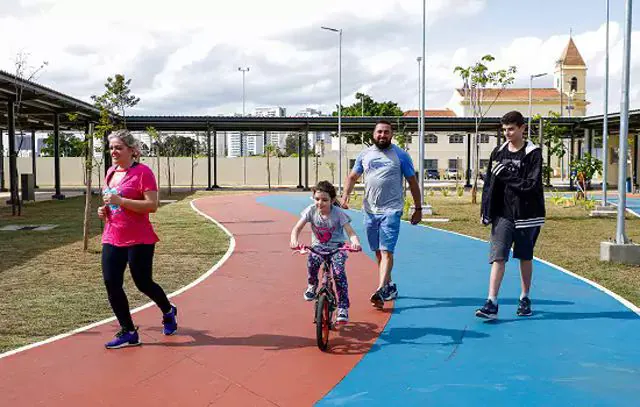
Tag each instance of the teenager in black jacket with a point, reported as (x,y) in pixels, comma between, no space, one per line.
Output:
(513,203)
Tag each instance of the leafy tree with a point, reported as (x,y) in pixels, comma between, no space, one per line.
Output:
(552,138)
(585,168)
(69,145)
(477,78)
(366,106)
(116,99)
(291,145)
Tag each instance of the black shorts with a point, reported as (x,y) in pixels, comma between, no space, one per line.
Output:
(504,235)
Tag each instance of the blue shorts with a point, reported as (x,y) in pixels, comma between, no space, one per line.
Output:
(382,230)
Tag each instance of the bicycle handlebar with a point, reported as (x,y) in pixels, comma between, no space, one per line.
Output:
(303,249)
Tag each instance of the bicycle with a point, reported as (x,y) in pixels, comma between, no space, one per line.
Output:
(326,300)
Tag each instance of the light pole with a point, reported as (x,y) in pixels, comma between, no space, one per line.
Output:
(420,107)
(531,78)
(339,31)
(605,121)
(621,237)
(243,153)
(423,107)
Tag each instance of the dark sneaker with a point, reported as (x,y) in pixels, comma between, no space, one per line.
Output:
(377,299)
(488,311)
(170,321)
(524,307)
(343,316)
(391,291)
(310,293)
(124,339)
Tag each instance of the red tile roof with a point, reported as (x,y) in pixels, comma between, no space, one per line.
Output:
(571,55)
(431,113)
(518,94)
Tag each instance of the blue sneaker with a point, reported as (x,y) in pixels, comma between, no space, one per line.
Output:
(390,291)
(170,321)
(124,339)
(488,311)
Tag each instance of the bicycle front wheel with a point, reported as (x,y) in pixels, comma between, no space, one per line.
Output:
(323,322)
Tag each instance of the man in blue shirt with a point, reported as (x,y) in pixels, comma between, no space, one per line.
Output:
(384,165)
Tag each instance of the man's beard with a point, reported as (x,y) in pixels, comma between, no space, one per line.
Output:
(382,144)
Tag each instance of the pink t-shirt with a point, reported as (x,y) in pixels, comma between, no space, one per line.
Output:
(124,227)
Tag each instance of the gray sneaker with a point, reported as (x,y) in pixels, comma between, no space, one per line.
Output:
(390,292)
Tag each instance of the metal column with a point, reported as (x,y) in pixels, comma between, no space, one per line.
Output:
(56,155)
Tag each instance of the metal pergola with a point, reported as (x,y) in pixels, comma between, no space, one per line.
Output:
(28,106)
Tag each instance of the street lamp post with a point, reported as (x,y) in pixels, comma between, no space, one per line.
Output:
(423,107)
(339,31)
(243,153)
(621,237)
(605,121)
(531,78)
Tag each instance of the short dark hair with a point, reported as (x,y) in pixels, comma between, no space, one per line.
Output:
(325,186)
(383,121)
(513,117)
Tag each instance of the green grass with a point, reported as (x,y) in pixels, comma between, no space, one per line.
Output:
(49,285)
(569,238)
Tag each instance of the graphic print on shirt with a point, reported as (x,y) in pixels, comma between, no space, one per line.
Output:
(323,234)
(115,209)
(379,162)
(511,164)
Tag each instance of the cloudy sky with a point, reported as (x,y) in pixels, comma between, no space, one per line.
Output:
(183,56)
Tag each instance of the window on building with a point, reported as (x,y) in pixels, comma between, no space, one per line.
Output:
(574,84)
(430,163)
(484,138)
(484,164)
(453,164)
(456,139)
(431,139)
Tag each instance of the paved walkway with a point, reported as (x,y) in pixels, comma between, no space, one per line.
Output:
(246,336)
(579,349)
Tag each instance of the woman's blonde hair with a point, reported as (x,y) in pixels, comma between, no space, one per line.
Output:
(127,138)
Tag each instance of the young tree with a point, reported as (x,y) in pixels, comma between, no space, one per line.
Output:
(553,136)
(477,78)
(23,72)
(115,98)
(269,150)
(332,169)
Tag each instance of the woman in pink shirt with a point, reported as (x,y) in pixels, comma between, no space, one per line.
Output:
(130,194)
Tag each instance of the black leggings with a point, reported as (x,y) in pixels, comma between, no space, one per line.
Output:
(140,259)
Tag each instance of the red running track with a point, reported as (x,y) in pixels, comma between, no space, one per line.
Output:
(246,337)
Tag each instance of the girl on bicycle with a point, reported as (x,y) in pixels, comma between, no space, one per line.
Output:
(328,224)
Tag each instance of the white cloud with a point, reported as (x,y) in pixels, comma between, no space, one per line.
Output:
(183,56)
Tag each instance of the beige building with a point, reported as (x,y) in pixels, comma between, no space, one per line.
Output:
(448,150)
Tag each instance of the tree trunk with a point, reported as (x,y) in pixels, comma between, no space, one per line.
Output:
(158,170)
(192,169)
(268,172)
(87,198)
(169,173)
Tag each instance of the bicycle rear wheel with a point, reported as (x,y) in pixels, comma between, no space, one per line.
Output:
(323,322)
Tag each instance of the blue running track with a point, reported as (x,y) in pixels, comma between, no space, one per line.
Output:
(580,348)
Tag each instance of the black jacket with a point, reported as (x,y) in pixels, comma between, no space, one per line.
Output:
(528,207)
